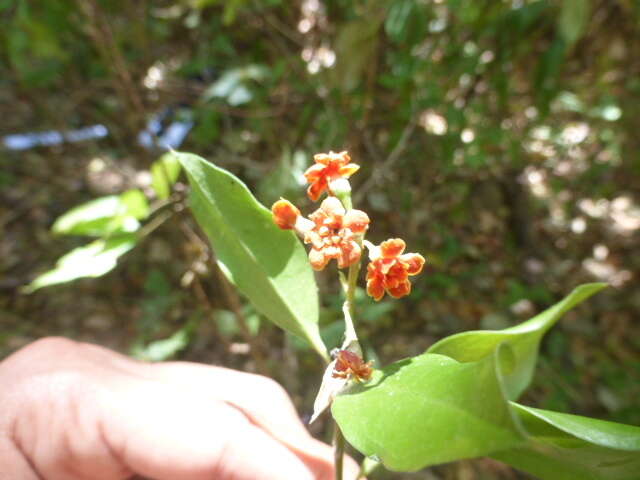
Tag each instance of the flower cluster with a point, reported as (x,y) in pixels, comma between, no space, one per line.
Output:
(334,232)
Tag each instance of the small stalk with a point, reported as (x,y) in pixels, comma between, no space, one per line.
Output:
(338,445)
(350,336)
(348,308)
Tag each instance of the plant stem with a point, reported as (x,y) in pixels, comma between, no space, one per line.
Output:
(350,338)
(338,445)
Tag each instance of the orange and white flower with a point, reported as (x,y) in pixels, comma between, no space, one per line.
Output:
(331,230)
(334,234)
(390,268)
(328,168)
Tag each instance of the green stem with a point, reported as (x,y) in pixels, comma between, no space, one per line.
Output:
(348,307)
(338,445)
(350,336)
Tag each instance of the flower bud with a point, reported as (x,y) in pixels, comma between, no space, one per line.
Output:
(285,214)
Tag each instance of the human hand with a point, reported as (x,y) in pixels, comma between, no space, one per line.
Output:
(74,411)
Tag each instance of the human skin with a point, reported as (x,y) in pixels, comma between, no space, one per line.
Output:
(75,411)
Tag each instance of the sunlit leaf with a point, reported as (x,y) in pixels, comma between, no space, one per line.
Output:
(568,447)
(232,84)
(104,216)
(134,204)
(524,340)
(92,260)
(431,409)
(164,173)
(427,410)
(267,264)
(162,350)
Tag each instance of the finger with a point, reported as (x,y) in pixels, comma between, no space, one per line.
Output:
(164,434)
(13,464)
(261,398)
(264,402)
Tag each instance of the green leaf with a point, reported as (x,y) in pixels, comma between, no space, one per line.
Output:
(134,204)
(162,350)
(523,339)
(268,265)
(355,45)
(232,87)
(164,173)
(574,16)
(92,260)
(396,22)
(568,447)
(104,216)
(427,410)
(431,409)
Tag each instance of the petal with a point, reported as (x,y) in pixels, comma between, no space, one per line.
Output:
(414,262)
(348,170)
(318,217)
(385,265)
(341,158)
(350,254)
(331,252)
(285,214)
(401,290)
(332,206)
(356,220)
(392,247)
(316,188)
(318,259)
(322,158)
(372,271)
(303,225)
(375,289)
(314,239)
(314,172)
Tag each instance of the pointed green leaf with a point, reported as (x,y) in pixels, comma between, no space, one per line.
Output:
(161,350)
(427,410)
(164,173)
(431,409)
(568,447)
(524,340)
(267,264)
(573,19)
(92,260)
(104,215)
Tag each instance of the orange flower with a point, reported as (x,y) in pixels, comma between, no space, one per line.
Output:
(349,364)
(333,234)
(329,166)
(389,269)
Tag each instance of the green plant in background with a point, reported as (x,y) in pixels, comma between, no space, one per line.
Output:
(115,221)
(455,401)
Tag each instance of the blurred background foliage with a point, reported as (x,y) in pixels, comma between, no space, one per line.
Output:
(500,138)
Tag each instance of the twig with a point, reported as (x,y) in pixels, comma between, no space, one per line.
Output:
(393,157)
(232,301)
